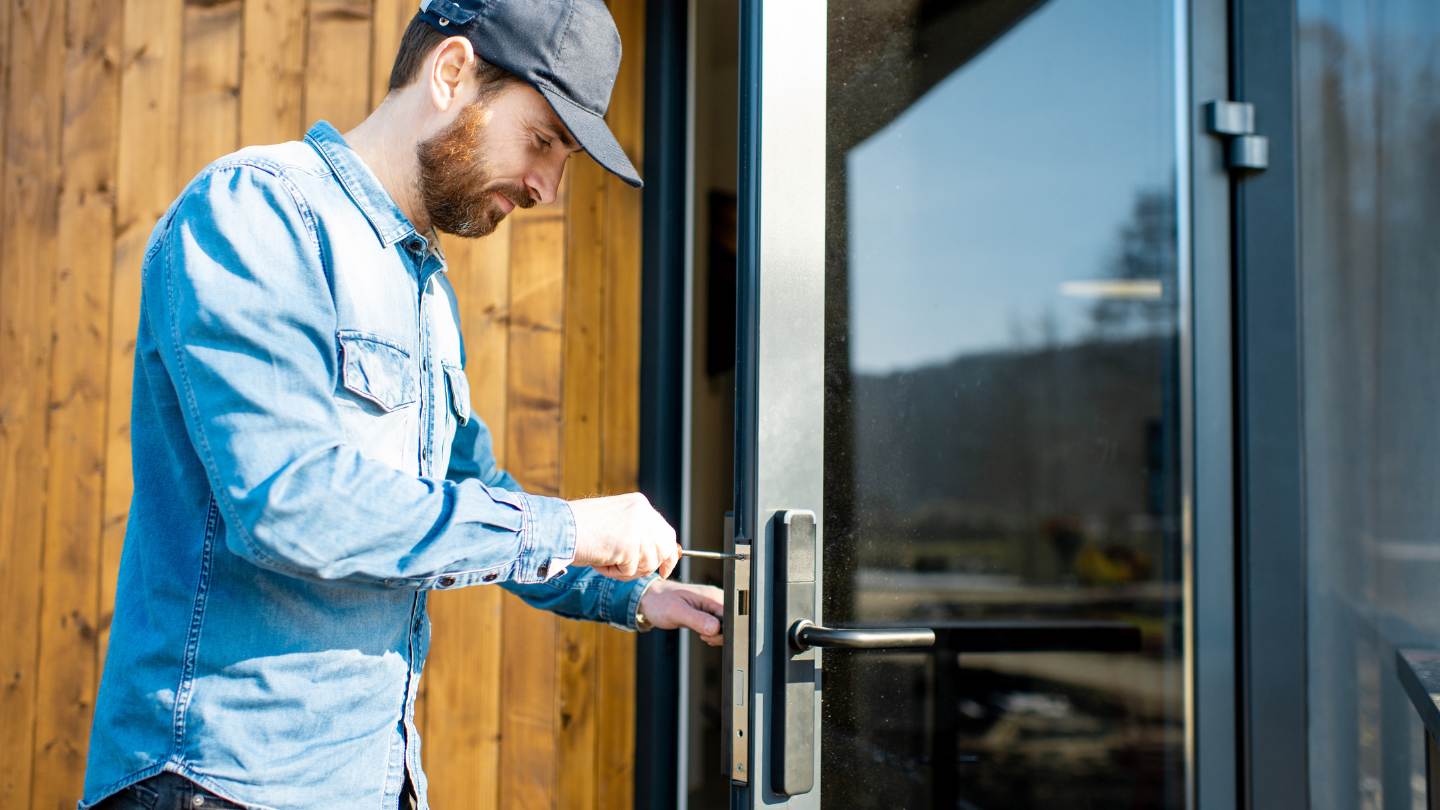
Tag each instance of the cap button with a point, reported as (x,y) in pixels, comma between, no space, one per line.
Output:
(444,21)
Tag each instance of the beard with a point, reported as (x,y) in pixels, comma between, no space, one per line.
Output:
(455,182)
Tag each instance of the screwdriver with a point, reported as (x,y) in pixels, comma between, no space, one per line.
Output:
(713,555)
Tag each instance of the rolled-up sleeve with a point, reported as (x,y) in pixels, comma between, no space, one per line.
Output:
(239,302)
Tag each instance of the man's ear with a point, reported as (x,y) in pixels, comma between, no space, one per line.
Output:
(450,68)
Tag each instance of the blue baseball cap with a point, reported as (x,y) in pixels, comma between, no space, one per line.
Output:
(569,50)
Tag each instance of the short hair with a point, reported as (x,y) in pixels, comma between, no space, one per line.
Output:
(416,43)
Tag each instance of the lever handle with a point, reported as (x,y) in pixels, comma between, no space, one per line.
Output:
(805,634)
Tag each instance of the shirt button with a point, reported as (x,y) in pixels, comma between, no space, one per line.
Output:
(543,570)
(446,582)
(490,577)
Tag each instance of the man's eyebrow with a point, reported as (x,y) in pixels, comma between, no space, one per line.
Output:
(568,141)
(564,136)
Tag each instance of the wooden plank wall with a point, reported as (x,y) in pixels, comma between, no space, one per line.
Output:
(107,109)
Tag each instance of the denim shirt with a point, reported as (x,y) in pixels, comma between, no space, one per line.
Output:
(306,469)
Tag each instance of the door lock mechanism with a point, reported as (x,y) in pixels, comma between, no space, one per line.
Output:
(735,686)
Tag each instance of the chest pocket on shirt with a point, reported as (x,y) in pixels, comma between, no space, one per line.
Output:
(376,369)
(459,388)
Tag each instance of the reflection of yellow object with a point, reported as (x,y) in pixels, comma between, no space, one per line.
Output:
(1114,288)
(1095,567)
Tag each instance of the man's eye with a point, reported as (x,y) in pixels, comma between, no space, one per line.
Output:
(542,141)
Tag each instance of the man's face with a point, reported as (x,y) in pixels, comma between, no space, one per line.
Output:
(501,151)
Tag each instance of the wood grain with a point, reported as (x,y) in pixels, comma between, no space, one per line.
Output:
(584,346)
(528,763)
(70,569)
(576,702)
(464,667)
(621,428)
(5,12)
(391,17)
(485,302)
(210,83)
(537,265)
(462,704)
(621,423)
(28,256)
(272,78)
(337,62)
(584,368)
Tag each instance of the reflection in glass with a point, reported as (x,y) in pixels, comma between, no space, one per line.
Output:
(1369,191)
(1001,404)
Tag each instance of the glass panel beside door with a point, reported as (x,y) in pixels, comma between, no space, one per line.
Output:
(1002,395)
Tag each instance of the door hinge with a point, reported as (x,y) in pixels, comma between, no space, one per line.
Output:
(1234,123)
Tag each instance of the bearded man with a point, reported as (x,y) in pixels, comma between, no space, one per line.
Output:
(306,464)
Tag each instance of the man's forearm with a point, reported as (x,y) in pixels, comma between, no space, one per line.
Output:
(581,593)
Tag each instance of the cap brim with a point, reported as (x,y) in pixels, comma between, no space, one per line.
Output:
(591,132)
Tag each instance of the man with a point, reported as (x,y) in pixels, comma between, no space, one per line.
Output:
(306,463)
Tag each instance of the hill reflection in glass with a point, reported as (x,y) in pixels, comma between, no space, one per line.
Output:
(1002,398)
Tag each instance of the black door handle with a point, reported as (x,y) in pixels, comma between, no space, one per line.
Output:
(973,636)
(805,634)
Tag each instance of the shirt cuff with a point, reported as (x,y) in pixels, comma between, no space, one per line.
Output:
(547,539)
(624,600)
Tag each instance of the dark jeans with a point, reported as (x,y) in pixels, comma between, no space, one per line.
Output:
(170,791)
(165,791)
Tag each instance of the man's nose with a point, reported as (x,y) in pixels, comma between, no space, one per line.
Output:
(544,180)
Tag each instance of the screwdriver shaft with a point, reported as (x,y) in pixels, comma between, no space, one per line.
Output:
(712,555)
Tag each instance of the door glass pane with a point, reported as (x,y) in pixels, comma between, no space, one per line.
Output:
(1369,190)
(1002,397)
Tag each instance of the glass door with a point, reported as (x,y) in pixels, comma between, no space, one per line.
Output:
(965,469)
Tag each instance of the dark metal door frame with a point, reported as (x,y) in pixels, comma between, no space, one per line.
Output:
(662,368)
(1269,420)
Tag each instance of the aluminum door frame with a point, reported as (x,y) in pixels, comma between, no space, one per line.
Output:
(1208,460)
(781,334)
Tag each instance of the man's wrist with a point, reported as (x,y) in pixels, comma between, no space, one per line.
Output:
(642,623)
(548,538)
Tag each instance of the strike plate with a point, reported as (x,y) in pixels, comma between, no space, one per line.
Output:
(735,686)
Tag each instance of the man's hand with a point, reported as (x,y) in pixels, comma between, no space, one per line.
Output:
(623,537)
(669,605)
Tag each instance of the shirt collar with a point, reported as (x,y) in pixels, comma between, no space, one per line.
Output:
(390,223)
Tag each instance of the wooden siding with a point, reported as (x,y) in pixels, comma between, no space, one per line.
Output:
(107,109)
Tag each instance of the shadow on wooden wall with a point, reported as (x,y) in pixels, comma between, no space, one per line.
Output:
(107,109)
